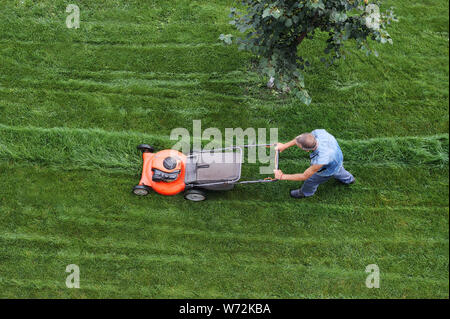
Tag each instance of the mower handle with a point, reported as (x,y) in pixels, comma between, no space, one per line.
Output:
(277,156)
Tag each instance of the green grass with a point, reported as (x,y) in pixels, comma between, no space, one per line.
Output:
(74,104)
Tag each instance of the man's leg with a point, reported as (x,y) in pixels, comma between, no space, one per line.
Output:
(344,176)
(309,186)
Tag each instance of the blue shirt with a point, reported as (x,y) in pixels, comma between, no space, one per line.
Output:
(328,153)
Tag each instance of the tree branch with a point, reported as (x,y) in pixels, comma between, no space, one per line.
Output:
(302,36)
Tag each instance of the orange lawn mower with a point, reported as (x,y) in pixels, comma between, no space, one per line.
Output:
(169,172)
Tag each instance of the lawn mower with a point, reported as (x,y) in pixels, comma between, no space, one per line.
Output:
(169,172)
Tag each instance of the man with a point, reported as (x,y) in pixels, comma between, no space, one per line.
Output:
(326,162)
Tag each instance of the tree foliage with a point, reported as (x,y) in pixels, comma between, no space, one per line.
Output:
(273,30)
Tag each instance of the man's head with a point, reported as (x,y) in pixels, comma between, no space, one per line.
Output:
(306,142)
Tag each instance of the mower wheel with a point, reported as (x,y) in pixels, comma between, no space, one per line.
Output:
(145,148)
(141,190)
(195,195)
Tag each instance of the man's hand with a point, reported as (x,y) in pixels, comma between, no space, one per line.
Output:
(278,173)
(280,147)
(297,177)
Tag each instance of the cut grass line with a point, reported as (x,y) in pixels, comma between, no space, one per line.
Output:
(269,205)
(149,246)
(77,88)
(117,45)
(243,238)
(142,59)
(160,92)
(338,208)
(58,70)
(58,285)
(145,81)
(224,77)
(114,257)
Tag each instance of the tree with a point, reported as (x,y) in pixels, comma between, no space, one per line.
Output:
(273,30)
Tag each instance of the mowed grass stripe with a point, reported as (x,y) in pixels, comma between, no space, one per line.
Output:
(399,228)
(183,279)
(242,252)
(242,211)
(144,258)
(43,189)
(245,251)
(340,284)
(111,208)
(15,287)
(61,228)
(111,46)
(100,34)
(109,76)
(142,59)
(135,85)
(146,108)
(168,108)
(153,91)
(403,220)
(184,21)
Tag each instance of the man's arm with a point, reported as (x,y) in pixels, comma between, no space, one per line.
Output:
(281,147)
(298,177)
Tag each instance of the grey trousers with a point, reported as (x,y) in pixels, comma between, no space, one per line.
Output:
(310,185)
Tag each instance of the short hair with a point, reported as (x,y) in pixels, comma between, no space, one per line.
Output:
(307,141)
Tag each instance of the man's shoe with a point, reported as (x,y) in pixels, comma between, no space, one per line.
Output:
(352,182)
(296,193)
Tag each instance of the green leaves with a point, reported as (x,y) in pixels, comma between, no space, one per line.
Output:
(226,38)
(316,4)
(278,27)
(338,17)
(303,96)
(273,12)
(288,23)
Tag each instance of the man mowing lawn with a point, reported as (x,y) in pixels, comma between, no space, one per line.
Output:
(326,162)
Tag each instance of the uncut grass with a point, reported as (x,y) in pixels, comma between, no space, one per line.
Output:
(101,149)
(402,93)
(178,245)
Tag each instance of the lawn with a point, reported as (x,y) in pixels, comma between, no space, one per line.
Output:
(74,103)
